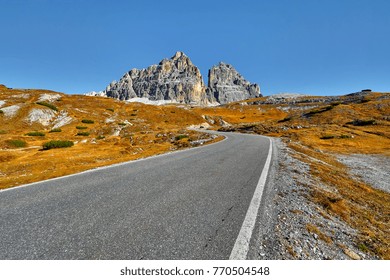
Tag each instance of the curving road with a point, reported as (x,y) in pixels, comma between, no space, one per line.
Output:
(184,205)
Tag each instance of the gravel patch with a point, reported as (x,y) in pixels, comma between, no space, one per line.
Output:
(49,97)
(42,116)
(374,170)
(290,225)
(62,119)
(10,111)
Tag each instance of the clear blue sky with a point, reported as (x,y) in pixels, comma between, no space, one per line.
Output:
(319,47)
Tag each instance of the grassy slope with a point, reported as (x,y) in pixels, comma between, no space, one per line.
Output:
(143,130)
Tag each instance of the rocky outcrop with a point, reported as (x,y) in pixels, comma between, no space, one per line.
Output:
(175,79)
(227,85)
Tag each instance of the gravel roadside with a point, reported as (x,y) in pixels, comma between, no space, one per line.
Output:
(290,225)
(372,169)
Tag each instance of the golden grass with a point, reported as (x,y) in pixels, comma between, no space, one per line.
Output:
(314,229)
(361,206)
(119,132)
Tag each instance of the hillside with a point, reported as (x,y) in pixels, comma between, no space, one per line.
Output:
(104,131)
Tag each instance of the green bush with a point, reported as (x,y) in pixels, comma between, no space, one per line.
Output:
(82,134)
(362,122)
(100,137)
(51,106)
(87,121)
(286,119)
(81,127)
(345,136)
(122,124)
(327,137)
(35,133)
(182,136)
(3,132)
(110,109)
(55,130)
(57,144)
(1,112)
(17,143)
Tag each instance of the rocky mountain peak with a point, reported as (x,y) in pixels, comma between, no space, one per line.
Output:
(227,85)
(178,80)
(179,55)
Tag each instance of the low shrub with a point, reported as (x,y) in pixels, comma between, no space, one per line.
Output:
(82,134)
(110,109)
(17,143)
(286,119)
(182,136)
(1,112)
(362,122)
(327,137)
(122,124)
(51,106)
(35,133)
(87,121)
(100,137)
(3,132)
(53,144)
(81,127)
(55,130)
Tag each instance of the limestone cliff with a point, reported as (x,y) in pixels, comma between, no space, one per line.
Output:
(178,80)
(227,85)
(175,79)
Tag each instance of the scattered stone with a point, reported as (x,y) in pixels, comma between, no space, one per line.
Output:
(282,232)
(62,119)
(10,111)
(48,97)
(351,254)
(42,116)
(372,169)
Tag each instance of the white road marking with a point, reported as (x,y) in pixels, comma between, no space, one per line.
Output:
(241,246)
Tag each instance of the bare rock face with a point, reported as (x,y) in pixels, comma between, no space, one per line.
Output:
(177,80)
(227,85)
(174,79)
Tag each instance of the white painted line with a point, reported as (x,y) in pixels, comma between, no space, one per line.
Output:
(241,246)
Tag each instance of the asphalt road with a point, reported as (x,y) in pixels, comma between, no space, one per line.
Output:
(185,205)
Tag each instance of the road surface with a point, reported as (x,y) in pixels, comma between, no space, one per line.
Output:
(184,205)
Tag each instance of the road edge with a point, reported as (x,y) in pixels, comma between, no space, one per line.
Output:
(241,246)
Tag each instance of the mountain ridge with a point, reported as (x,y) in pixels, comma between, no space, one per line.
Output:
(178,80)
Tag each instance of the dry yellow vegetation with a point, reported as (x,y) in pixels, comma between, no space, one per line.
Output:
(105,131)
